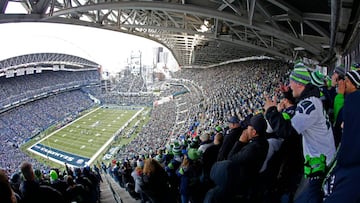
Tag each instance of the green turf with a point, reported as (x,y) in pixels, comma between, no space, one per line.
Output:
(87,135)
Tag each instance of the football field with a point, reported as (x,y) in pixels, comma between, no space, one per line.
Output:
(81,141)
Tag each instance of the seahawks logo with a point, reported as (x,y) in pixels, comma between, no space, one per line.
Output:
(80,161)
(305,107)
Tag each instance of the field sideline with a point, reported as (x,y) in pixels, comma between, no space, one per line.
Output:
(80,142)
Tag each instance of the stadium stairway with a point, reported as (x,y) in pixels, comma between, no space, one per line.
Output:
(111,192)
(106,195)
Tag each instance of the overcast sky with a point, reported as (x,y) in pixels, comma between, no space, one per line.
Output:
(107,48)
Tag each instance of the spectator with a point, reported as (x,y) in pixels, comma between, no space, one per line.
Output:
(75,192)
(155,183)
(290,153)
(337,76)
(7,195)
(350,85)
(15,181)
(318,79)
(310,122)
(205,142)
(230,137)
(189,173)
(237,175)
(29,188)
(343,179)
(137,175)
(209,158)
(57,183)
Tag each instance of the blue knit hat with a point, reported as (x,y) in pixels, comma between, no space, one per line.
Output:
(300,74)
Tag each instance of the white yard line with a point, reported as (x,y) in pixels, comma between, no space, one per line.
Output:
(113,137)
(96,154)
(52,159)
(64,127)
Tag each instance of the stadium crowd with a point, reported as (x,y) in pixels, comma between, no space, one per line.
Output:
(122,100)
(252,142)
(28,119)
(17,88)
(245,140)
(20,124)
(130,83)
(32,185)
(127,91)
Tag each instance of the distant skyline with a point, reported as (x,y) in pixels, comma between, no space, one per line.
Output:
(107,48)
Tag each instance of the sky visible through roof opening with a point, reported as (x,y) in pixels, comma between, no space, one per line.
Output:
(110,49)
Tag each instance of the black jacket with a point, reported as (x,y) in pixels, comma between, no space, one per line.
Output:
(229,140)
(247,160)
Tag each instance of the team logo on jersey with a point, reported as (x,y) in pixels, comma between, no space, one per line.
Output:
(305,107)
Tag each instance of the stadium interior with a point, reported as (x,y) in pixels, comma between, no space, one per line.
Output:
(61,114)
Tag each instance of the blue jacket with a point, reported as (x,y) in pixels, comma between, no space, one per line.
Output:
(343,181)
(350,141)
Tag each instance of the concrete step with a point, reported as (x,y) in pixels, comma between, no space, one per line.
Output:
(124,195)
(106,195)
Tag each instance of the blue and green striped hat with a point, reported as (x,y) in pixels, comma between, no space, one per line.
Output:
(317,78)
(300,74)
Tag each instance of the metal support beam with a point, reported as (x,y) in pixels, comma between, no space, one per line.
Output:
(293,13)
(232,7)
(322,17)
(318,29)
(261,39)
(194,10)
(251,11)
(223,6)
(3,5)
(292,28)
(177,25)
(266,13)
(172,19)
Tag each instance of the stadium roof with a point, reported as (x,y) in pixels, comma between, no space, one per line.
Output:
(38,59)
(207,32)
